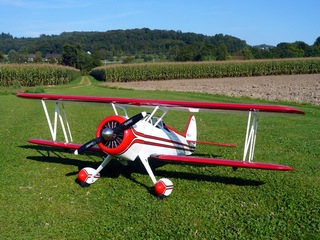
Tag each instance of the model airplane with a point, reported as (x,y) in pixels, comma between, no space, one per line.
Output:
(145,136)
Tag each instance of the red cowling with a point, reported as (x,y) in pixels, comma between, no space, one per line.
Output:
(120,142)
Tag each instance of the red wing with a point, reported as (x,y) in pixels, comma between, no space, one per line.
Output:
(49,143)
(187,105)
(215,143)
(220,162)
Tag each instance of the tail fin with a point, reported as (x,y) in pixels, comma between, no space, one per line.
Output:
(191,130)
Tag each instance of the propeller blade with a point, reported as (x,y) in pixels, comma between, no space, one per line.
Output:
(88,145)
(129,122)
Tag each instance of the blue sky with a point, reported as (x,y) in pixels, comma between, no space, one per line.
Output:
(254,21)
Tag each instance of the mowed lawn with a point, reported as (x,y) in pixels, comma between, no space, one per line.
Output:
(40,198)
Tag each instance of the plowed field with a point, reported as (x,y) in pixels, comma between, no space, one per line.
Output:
(295,88)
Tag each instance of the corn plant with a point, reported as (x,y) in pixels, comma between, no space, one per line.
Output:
(164,71)
(35,74)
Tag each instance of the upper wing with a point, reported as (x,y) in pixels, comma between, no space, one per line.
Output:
(220,162)
(187,105)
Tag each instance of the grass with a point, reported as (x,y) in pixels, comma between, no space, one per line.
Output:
(41,200)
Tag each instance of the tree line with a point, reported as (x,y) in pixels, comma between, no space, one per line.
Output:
(83,50)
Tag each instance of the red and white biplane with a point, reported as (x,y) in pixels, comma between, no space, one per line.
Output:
(145,136)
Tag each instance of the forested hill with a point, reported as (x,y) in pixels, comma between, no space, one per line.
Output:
(120,42)
(144,43)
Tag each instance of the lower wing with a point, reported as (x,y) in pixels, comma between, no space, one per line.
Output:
(220,162)
(177,159)
(72,146)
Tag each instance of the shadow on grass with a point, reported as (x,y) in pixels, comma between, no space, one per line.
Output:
(238,181)
(115,169)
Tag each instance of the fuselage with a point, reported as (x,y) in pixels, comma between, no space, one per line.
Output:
(150,137)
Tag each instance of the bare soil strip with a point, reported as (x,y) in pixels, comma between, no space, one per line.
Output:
(85,81)
(294,88)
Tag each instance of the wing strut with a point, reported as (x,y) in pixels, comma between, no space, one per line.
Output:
(53,126)
(250,141)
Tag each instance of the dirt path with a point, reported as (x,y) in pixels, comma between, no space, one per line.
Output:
(85,81)
(296,88)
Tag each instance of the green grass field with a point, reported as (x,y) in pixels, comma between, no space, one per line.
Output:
(40,198)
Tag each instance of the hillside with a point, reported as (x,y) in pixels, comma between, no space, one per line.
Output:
(148,44)
(143,41)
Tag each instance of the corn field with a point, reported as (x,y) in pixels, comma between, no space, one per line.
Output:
(36,74)
(164,71)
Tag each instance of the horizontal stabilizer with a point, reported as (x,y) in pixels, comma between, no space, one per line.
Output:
(220,162)
(49,143)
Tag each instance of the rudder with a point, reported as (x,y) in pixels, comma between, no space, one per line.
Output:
(191,130)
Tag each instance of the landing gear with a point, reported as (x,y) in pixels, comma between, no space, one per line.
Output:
(85,175)
(163,187)
(90,175)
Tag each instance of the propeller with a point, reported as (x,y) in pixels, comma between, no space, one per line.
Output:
(108,133)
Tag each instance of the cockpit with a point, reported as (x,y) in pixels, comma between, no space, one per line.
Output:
(157,122)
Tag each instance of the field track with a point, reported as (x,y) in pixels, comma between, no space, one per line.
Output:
(85,81)
(295,88)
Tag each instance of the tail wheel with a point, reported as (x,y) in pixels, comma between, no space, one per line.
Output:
(120,142)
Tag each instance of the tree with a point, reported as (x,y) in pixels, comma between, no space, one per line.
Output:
(85,61)
(288,50)
(96,59)
(194,53)
(222,52)
(247,54)
(127,60)
(13,56)
(74,56)
(71,55)
(186,53)
(207,53)
(38,57)
(1,56)
(262,53)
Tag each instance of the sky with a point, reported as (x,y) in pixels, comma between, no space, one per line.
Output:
(255,21)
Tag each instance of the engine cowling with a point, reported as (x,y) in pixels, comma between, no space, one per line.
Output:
(120,142)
